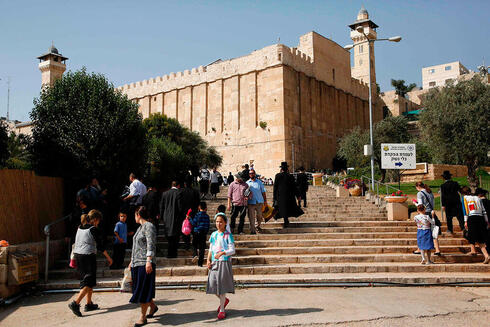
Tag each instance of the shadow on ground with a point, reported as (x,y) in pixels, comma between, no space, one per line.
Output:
(175,319)
(133,306)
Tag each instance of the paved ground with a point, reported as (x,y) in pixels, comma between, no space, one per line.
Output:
(382,306)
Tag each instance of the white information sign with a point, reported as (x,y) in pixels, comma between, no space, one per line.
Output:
(398,156)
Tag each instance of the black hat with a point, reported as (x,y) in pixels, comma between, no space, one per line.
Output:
(446,174)
(480,191)
(301,168)
(240,175)
(284,165)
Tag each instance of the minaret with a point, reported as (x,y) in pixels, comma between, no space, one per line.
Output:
(360,68)
(52,66)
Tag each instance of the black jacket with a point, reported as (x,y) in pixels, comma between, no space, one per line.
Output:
(302,182)
(284,199)
(189,200)
(449,194)
(151,200)
(170,212)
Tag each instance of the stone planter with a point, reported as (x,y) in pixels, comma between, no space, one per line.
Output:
(397,211)
(355,191)
(341,191)
(395,199)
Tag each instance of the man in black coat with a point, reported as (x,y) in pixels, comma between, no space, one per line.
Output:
(451,201)
(284,199)
(170,214)
(302,185)
(245,172)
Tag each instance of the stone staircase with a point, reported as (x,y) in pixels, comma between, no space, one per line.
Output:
(337,240)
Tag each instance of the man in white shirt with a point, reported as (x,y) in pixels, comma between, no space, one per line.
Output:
(136,192)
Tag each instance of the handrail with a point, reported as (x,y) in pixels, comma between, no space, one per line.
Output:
(47,230)
(377,184)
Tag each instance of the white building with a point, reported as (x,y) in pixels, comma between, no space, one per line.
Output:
(439,75)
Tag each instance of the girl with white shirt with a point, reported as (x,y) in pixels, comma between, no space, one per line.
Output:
(220,276)
(424,233)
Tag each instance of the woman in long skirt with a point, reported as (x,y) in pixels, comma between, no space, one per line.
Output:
(143,266)
(475,221)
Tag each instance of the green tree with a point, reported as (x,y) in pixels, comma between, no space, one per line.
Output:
(4,153)
(388,130)
(351,148)
(83,127)
(174,149)
(19,156)
(400,88)
(455,124)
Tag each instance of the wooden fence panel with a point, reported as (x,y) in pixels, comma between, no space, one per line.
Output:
(27,203)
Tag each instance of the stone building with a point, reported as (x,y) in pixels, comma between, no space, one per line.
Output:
(52,65)
(439,75)
(274,104)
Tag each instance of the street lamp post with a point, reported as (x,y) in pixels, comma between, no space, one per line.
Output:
(360,29)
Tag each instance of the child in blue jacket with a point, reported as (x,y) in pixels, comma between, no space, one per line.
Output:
(200,228)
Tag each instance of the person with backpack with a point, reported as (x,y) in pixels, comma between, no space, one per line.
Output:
(426,197)
(475,221)
(88,241)
(200,227)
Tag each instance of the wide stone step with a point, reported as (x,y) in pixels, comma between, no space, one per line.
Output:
(362,279)
(339,242)
(310,240)
(307,267)
(372,267)
(326,258)
(346,250)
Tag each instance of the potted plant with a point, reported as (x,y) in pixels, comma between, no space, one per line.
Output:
(396,197)
(354,186)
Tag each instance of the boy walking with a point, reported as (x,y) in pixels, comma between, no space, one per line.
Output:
(120,242)
(200,229)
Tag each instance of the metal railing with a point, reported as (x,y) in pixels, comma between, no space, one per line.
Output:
(47,231)
(377,185)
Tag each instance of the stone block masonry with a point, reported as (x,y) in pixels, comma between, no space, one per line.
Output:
(230,102)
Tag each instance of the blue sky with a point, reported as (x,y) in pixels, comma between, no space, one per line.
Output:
(130,41)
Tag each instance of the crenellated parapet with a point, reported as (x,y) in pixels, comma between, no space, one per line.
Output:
(359,88)
(274,55)
(256,61)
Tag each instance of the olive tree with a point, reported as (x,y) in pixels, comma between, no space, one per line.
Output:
(455,124)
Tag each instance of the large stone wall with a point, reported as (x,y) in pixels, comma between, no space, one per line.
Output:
(282,87)
(316,116)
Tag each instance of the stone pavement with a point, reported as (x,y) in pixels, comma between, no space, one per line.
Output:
(380,306)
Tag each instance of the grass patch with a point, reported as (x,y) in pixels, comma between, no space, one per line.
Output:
(435,185)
